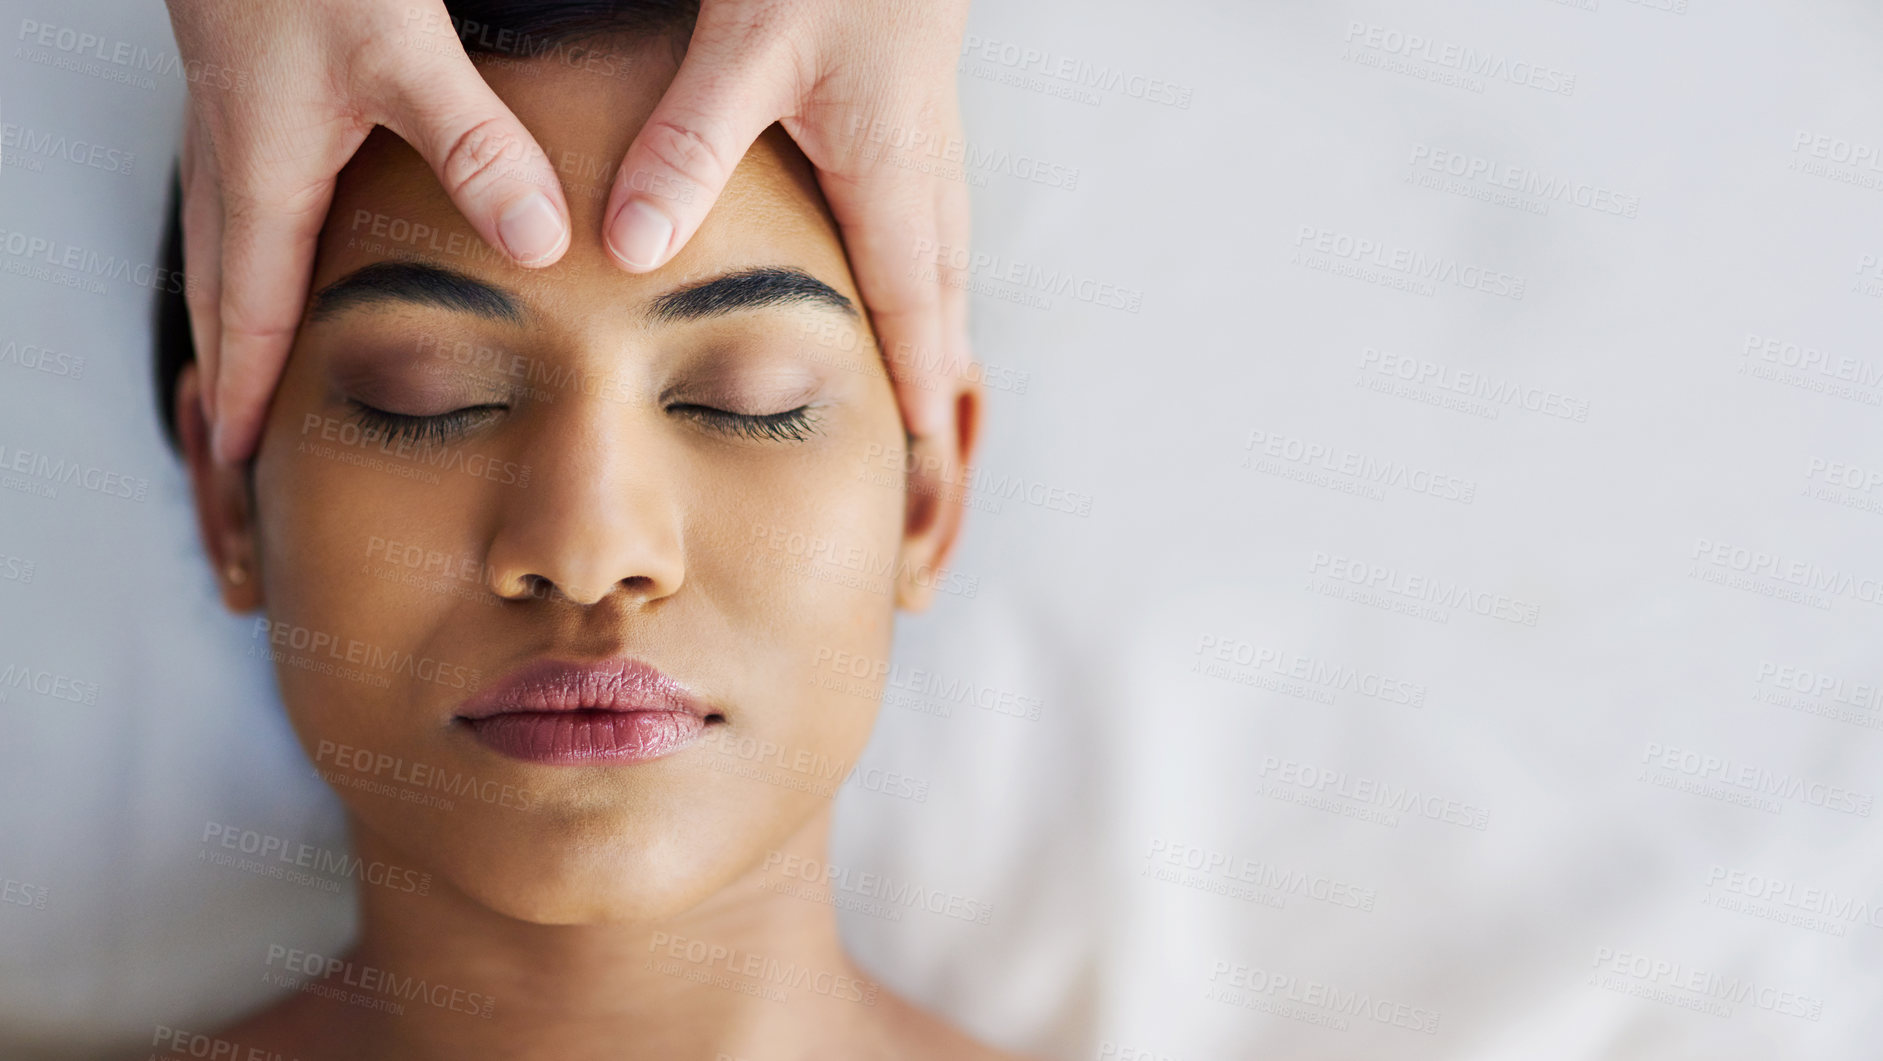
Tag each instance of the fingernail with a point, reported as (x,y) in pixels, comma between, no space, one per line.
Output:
(640,234)
(531,229)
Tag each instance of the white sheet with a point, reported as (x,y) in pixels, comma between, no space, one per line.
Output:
(1671,862)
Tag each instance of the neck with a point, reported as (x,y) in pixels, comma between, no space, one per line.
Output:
(758,970)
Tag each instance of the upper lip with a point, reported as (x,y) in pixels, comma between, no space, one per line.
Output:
(553,685)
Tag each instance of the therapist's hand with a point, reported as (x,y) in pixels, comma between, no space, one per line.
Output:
(867,89)
(308,81)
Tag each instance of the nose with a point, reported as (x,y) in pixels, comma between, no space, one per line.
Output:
(598,516)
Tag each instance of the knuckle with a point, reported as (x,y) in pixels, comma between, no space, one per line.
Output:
(488,151)
(755,27)
(685,151)
(380,55)
(244,326)
(251,313)
(254,190)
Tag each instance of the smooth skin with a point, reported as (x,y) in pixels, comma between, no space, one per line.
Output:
(300,84)
(648,524)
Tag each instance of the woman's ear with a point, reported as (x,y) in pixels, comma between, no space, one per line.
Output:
(222,502)
(939,478)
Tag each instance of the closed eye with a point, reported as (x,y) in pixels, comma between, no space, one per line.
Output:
(439,429)
(792,425)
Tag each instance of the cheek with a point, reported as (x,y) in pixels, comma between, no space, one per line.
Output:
(805,562)
(792,570)
(365,556)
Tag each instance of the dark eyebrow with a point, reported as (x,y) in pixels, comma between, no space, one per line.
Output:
(418,284)
(748,289)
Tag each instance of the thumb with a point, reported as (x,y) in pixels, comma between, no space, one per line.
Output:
(486,160)
(727,92)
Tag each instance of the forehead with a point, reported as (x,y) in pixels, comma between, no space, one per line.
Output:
(388,203)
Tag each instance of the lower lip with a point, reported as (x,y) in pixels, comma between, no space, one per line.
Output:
(572,738)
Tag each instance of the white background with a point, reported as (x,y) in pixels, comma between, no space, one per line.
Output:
(1610,748)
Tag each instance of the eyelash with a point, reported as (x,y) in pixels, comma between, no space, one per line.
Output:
(792,425)
(421,430)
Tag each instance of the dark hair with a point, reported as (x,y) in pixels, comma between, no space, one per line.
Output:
(517,29)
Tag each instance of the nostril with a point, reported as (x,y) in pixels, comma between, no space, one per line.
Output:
(541,587)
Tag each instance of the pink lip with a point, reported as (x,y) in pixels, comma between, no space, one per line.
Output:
(559,713)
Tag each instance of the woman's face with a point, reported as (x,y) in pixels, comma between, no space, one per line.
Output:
(471,467)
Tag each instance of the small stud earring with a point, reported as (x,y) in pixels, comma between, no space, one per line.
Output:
(236,574)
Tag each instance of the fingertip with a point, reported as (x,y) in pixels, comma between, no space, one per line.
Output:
(208,396)
(220,444)
(230,440)
(640,236)
(926,408)
(534,231)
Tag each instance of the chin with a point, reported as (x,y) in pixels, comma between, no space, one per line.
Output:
(578,883)
(604,905)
